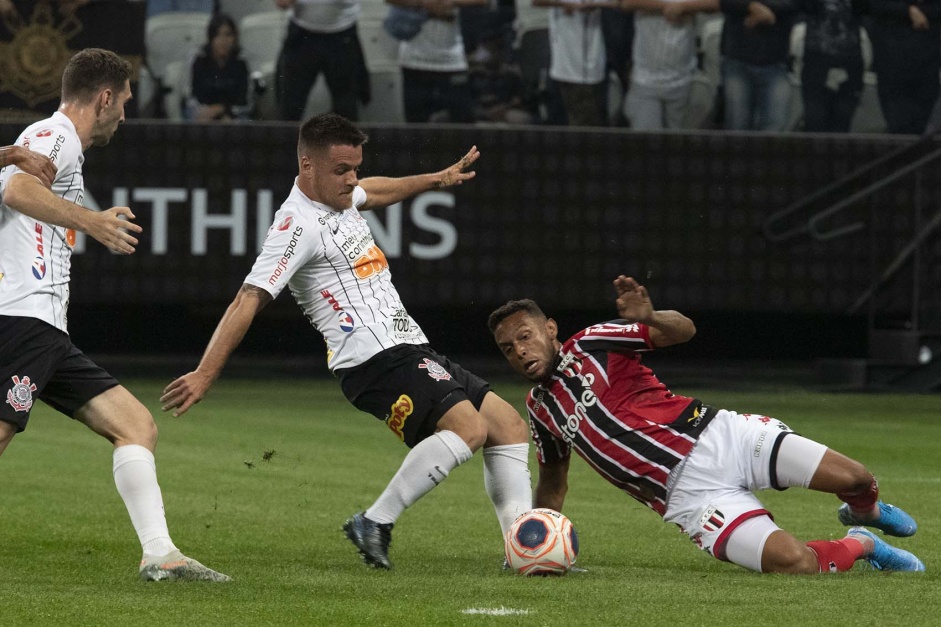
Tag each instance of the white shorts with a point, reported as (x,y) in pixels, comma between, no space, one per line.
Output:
(710,493)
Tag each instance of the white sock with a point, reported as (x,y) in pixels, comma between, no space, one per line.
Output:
(425,466)
(135,475)
(507,481)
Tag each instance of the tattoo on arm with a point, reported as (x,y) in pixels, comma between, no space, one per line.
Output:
(253,291)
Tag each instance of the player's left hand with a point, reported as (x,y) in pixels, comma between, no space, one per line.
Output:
(633,302)
(455,175)
(184,392)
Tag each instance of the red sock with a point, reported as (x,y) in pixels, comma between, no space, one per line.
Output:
(862,502)
(835,556)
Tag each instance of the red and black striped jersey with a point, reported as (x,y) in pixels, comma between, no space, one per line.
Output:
(603,402)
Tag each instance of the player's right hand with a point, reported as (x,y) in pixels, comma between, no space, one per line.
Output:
(111,229)
(184,392)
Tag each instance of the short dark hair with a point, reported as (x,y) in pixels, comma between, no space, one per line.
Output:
(329,129)
(503,312)
(91,71)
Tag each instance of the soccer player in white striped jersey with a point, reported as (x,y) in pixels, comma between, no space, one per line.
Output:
(37,357)
(322,249)
(695,465)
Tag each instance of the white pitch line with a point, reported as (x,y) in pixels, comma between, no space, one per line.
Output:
(495,611)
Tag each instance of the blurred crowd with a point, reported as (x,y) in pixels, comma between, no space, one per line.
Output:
(776,65)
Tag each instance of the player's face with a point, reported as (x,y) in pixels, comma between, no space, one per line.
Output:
(110,109)
(529,344)
(331,175)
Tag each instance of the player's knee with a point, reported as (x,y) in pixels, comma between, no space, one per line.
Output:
(140,429)
(475,434)
(856,477)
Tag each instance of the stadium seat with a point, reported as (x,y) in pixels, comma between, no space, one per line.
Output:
(173,37)
(319,100)
(373,10)
(386,104)
(239,9)
(380,49)
(261,36)
(176,82)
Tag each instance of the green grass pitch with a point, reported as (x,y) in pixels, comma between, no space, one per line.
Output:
(259,477)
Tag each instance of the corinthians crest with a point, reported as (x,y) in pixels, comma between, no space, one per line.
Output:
(20,396)
(31,63)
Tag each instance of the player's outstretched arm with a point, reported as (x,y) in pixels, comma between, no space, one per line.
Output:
(553,484)
(29,162)
(27,195)
(382,191)
(189,389)
(667,327)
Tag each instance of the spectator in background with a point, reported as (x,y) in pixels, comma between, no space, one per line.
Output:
(906,56)
(756,39)
(496,83)
(321,38)
(578,63)
(617,26)
(219,87)
(156,7)
(541,96)
(434,64)
(832,75)
(664,62)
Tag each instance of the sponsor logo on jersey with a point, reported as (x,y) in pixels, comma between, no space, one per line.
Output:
(570,366)
(58,146)
(286,257)
(44,133)
(435,370)
(712,519)
(330,299)
(39,264)
(20,396)
(286,223)
(574,420)
(401,410)
(346,322)
(371,262)
(39,268)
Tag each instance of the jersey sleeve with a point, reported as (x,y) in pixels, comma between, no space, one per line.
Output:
(288,246)
(549,449)
(359,197)
(63,149)
(617,336)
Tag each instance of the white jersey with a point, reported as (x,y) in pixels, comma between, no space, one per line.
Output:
(325,16)
(35,257)
(337,275)
(438,47)
(577,43)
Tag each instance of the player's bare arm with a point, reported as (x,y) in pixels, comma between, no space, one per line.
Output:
(189,389)
(28,196)
(667,327)
(30,162)
(382,191)
(552,486)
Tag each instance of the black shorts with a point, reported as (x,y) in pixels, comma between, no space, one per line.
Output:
(38,360)
(410,387)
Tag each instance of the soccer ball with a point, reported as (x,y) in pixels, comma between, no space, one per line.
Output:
(541,542)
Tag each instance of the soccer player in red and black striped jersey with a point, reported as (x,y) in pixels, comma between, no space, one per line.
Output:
(695,465)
